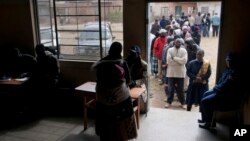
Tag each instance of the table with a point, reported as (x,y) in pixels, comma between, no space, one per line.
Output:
(12,98)
(88,93)
(13,81)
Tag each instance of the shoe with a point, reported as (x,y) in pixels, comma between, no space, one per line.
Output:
(184,106)
(205,125)
(200,121)
(167,105)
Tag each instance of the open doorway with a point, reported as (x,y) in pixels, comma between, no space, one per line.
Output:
(208,42)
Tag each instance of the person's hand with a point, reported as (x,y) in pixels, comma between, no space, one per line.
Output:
(198,80)
(164,65)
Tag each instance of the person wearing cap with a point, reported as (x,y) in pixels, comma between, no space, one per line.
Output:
(137,66)
(185,32)
(138,73)
(159,44)
(176,71)
(225,94)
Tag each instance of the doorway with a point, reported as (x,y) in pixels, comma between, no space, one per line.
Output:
(210,44)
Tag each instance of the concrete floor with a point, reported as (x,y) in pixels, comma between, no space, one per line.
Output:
(159,125)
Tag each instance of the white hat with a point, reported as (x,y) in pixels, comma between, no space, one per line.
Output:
(162,31)
(184,27)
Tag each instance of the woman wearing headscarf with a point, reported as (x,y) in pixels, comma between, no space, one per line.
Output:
(114,110)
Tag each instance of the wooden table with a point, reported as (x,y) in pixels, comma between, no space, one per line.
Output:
(88,93)
(11,98)
(14,81)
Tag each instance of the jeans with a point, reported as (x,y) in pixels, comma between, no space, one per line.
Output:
(205,31)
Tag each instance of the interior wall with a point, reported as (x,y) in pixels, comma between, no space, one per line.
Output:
(16,25)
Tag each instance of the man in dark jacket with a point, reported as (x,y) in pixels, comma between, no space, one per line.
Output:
(224,96)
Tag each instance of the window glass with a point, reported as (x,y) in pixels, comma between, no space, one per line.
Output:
(76,26)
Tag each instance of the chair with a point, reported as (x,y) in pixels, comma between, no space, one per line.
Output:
(136,112)
(237,112)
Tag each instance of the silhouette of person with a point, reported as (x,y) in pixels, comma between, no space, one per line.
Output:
(138,72)
(225,94)
(47,66)
(114,109)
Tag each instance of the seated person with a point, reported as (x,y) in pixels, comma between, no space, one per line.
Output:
(47,66)
(17,65)
(137,67)
(225,94)
(138,73)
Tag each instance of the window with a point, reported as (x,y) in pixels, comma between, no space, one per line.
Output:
(164,11)
(74,26)
(204,10)
(191,10)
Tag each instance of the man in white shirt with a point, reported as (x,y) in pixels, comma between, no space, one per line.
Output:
(176,71)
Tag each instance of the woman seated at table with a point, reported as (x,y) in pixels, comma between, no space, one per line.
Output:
(114,110)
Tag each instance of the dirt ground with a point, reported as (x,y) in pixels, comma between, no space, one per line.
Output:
(210,45)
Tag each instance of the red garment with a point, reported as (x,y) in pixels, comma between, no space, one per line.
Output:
(158,46)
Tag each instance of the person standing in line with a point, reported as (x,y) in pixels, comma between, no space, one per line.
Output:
(192,49)
(199,72)
(158,48)
(196,35)
(197,21)
(176,71)
(163,22)
(215,24)
(114,110)
(155,27)
(191,22)
(153,59)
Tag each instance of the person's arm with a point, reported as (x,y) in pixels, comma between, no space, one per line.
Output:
(127,73)
(156,47)
(183,59)
(190,73)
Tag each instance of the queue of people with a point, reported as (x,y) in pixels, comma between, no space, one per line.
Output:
(183,69)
